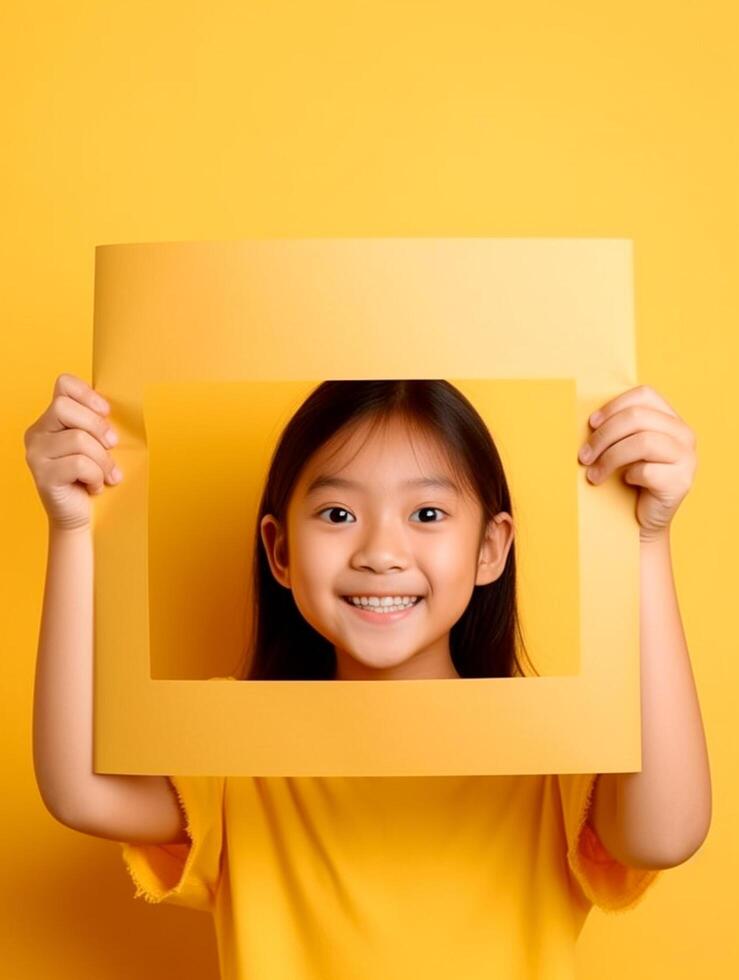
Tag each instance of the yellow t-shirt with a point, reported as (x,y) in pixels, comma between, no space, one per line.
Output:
(361,878)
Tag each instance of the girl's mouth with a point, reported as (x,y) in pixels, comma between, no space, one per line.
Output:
(369,614)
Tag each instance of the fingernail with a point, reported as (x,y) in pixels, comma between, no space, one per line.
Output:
(111,438)
(101,405)
(596,417)
(586,454)
(116,475)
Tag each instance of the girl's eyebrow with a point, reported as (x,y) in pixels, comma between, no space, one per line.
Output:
(437,481)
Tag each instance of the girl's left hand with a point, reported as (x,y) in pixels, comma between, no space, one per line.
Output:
(640,431)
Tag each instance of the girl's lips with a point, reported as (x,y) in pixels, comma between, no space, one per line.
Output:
(375,617)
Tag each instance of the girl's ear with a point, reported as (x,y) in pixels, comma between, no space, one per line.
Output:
(494,549)
(275,546)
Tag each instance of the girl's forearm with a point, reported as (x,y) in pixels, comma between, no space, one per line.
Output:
(62,710)
(663,812)
(63,693)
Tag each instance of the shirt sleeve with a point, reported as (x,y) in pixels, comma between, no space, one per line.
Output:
(184,873)
(606,882)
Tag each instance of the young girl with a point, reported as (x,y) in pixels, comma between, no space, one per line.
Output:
(384,550)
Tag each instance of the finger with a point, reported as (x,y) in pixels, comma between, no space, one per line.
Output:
(66,412)
(641,395)
(662,478)
(651,447)
(72,442)
(628,421)
(76,469)
(74,387)
(657,476)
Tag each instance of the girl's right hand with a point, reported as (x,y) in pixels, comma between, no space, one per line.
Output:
(67,452)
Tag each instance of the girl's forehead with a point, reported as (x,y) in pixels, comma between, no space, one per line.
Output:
(389,448)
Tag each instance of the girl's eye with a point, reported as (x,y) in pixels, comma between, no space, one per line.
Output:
(422,509)
(341,510)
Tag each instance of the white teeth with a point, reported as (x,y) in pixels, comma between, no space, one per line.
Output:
(384,603)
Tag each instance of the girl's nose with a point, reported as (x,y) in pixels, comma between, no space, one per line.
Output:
(382,549)
(380,567)
(379,559)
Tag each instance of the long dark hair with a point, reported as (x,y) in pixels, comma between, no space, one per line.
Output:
(486,641)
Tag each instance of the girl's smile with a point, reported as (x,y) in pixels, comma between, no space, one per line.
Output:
(375,614)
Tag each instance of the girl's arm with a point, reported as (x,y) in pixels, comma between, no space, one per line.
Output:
(136,809)
(658,817)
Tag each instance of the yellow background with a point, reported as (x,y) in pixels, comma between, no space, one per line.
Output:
(182,121)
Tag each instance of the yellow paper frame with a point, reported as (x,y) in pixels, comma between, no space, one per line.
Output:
(466,308)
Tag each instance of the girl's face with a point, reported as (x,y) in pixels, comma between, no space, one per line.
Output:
(363,524)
